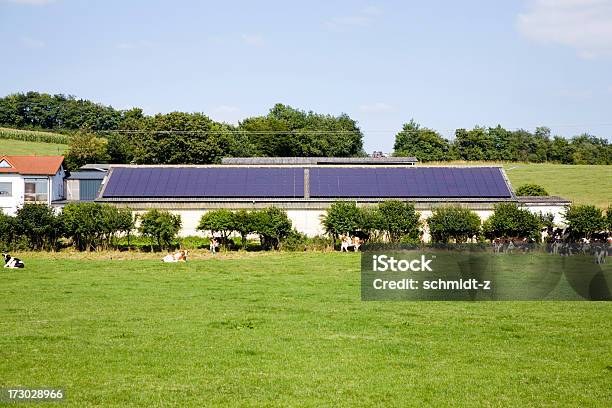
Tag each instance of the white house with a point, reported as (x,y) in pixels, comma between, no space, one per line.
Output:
(30,179)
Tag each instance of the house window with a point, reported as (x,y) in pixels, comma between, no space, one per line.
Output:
(6,189)
(36,190)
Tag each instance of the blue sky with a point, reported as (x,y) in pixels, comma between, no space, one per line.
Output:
(446,64)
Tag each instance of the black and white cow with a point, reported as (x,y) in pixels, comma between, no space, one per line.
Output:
(10,262)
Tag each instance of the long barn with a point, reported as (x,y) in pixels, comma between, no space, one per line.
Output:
(306,188)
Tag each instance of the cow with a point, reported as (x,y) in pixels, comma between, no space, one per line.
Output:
(11,262)
(600,251)
(347,242)
(180,256)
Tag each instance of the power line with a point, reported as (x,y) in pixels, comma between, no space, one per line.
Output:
(340,131)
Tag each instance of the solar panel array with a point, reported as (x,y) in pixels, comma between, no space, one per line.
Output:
(325,182)
(205,182)
(408,182)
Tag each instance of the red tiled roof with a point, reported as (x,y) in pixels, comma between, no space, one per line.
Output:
(32,165)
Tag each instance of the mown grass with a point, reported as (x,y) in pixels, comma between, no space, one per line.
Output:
(583,184)
(19,147)
(286,330)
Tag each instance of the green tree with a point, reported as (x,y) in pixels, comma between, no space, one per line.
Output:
(160,226)
(57,112)
(273,226)
(40,225)
(125,222)
(93,226)
(342,218)
(244,224)
(86,148)
(8,230)
(453,223)
(218,221)
(547,220)
(181,138)
(609,218)
(531,190)
(584,220)
(475,144)
(369,222)
(589,149)
(398,219)
(119,148)
(287,131)
(510,221)
(83,223)
(422,143)
(561,151)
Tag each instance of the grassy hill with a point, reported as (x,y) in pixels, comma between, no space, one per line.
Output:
(27,142)
(19,147)
(583,184)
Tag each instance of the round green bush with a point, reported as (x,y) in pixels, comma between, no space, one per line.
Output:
(531,190)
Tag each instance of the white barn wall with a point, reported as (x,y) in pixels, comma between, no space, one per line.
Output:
(307,221)
(191,219)
(556,210)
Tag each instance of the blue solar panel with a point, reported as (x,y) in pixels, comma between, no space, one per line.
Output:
(205,182)
(325,182)
(448,182)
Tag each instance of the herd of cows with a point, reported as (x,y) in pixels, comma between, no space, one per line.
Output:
(555,241)
(560,242)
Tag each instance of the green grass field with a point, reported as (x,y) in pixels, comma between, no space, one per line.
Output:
(20,147)
(285,330)
(583,184)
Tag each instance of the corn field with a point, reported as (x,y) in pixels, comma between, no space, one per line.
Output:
(33,136)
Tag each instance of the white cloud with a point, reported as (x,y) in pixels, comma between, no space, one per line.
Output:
(32,2)
(32,42)
(254,40)
(585,25)
(377,107)
(226,113)
(364,18)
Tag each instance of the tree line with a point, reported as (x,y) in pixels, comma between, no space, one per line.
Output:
(499,144)
(106,134)
(92,226)
(95,226)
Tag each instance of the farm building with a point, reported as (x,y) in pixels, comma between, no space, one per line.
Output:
(83,185)
(305,188)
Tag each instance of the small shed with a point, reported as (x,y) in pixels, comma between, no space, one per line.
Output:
(84,185)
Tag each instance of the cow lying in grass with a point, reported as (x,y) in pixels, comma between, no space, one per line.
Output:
(10,262)
(180,256)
